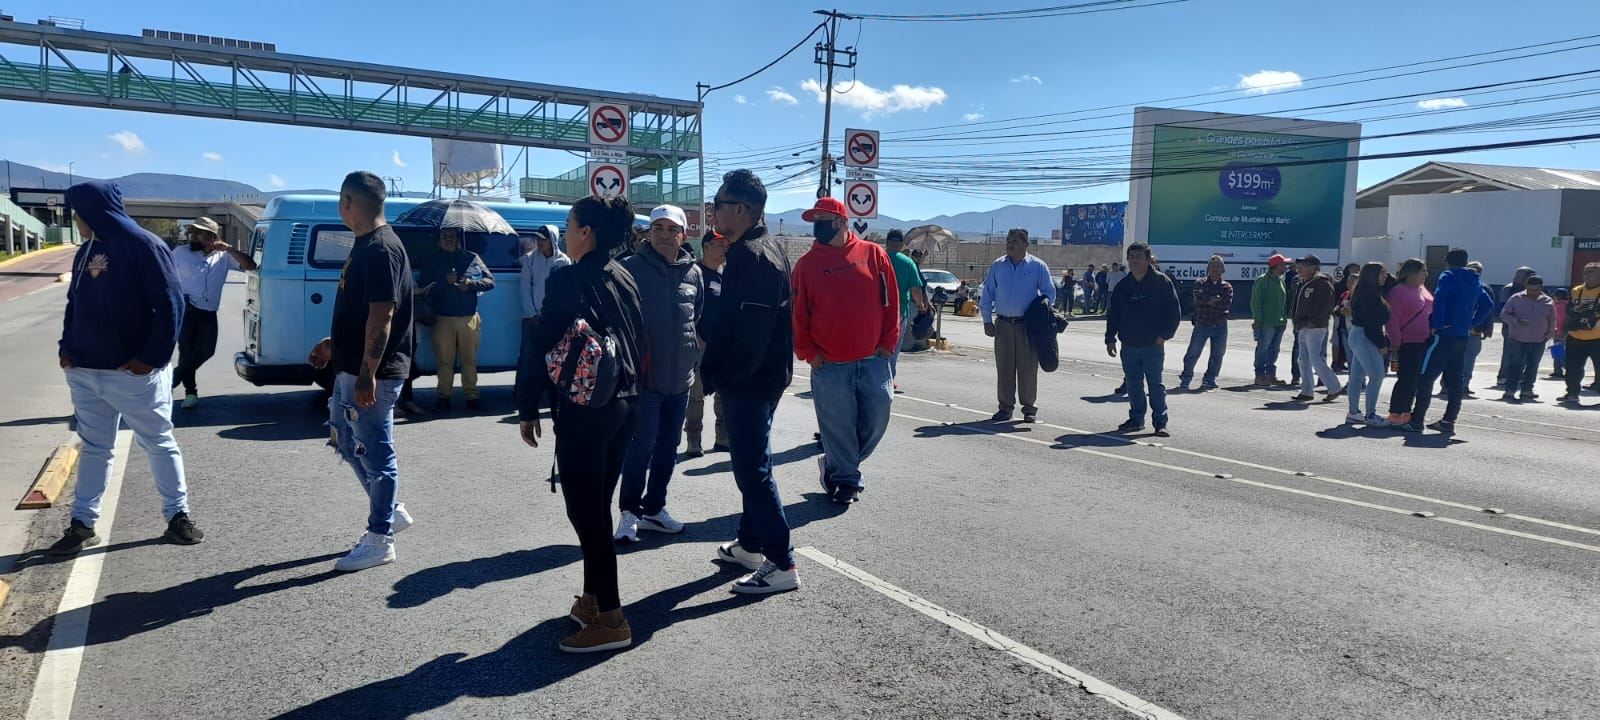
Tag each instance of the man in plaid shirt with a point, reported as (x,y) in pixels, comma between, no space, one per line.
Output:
(1213,297)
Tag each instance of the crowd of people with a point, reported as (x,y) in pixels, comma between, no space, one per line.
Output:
(623,342)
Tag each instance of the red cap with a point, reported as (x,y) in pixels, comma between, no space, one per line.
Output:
(828,204)
(1277,260)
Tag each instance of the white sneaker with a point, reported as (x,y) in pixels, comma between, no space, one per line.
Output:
(1375,421)
(372,551)
(769,579)
(660,522)
(401,521)
(1355,416)
(733,553)
(627,528)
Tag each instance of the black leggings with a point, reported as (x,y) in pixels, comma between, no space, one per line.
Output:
(590,446)
(197,342)
(1404,396)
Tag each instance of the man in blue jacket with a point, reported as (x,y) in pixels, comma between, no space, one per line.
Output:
(124,308)
(1459,304)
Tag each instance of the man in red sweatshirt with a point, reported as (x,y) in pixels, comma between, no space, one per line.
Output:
(846,326)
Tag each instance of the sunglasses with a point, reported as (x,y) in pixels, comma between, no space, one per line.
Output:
(720,204)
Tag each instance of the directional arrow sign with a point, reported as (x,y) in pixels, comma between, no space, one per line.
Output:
(607,179)
(862,197)
(608,124)
(861,148)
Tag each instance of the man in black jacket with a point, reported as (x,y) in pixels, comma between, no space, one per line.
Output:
(1143,314)
(748,362)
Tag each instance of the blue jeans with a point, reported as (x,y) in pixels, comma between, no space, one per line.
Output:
(100,400)
(654,448)
(1522,365)
(1142,366)
(1367,369)
(364,437)
(1474,348)
(894,360)
(1269,345)
(852,402)
(1218,335)
(763,527)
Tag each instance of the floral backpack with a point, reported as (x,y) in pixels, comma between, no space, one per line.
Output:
(583,365)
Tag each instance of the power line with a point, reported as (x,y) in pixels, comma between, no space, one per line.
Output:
(769,65)
(1024,14)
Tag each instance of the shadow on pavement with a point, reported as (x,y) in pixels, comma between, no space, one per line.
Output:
(40,557)
(528,663)
(433,583)
(1104,399)
(1103,440)
(794,454)
(34,422)
(123,615)
(975,427)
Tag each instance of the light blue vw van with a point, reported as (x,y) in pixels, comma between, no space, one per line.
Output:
(301,244)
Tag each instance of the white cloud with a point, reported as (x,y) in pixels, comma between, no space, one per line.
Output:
(397,161)
(1442,103)
(276,181)
(872,101)
(779,94)
(129,141)
(1268,81)
(972,117)
(1027,77)
(213,157)
(740,100)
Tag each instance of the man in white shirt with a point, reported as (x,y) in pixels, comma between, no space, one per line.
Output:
(203,267)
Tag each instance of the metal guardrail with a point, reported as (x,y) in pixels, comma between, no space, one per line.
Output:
(567,190)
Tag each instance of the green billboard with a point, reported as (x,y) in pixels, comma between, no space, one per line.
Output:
(1229,189)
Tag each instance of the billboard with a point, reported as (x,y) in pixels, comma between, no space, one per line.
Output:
(1093,224)
(1241,186)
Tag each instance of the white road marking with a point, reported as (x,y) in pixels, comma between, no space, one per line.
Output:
(1245,463)
(1116,697)
(53,692)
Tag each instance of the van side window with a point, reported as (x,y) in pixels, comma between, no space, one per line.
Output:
(331,245)
(258,243)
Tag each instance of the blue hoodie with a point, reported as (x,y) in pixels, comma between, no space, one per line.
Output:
(1459,303)
(124,303)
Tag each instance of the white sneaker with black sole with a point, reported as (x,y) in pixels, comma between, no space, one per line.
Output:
(627,529)
(732,553)
(660,522)
(768,579)
(372,551)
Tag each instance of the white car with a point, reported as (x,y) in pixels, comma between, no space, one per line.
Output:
(936,280)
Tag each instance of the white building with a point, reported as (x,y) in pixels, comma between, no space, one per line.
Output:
(1506,217)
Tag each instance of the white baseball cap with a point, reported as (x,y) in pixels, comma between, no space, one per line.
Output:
(670,212)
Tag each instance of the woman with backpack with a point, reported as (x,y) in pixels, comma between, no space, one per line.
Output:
(584,357)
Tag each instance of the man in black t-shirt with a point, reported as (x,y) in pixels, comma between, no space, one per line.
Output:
(370,349)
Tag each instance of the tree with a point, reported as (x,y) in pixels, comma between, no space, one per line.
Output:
(874,236)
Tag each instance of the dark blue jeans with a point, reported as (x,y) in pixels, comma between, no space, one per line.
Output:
(1269,344)
(654,449)
(1142,366)
(763,527)
(1218,335)
(1522,364)
(1445,356)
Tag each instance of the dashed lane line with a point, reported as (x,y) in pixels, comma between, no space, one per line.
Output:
(1116,697)
(57,685)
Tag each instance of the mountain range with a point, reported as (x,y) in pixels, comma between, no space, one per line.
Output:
(1039,221)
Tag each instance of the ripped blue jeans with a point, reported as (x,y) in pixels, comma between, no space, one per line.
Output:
(365,439)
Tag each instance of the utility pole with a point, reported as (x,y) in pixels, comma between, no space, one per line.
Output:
(701,89)
(829,56)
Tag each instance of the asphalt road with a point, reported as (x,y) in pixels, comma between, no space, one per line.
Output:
(1265,562)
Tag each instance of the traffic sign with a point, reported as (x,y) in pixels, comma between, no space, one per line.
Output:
(861,148)
(855,173)
(862,198)
(608,179)
(608,124)
(608,154)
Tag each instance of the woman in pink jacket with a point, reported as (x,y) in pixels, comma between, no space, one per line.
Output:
(1530,320)
(1410,305)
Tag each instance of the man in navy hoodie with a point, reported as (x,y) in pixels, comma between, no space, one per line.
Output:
(124,308)
(1459,304)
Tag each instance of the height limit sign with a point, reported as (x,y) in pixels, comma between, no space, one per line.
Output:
(862,198)
(861,148)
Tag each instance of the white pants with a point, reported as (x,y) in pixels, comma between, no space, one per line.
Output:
(1313,341)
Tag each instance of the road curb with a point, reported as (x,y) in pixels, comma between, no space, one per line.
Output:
(36,254)
(47,486)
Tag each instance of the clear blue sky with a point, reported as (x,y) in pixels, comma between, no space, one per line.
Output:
(954,72)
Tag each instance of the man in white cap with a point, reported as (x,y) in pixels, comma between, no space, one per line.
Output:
(203,267)
(672,298)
